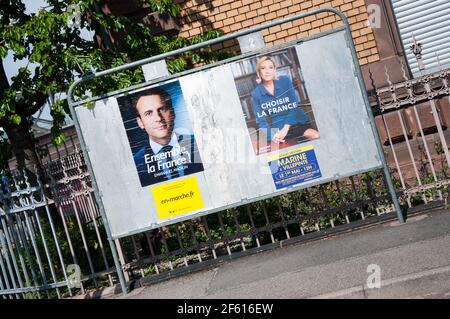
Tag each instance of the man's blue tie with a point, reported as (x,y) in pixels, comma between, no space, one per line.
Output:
(166,149)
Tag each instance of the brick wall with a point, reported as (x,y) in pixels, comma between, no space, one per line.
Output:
(230,16)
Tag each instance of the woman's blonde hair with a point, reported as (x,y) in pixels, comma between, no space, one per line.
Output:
(264,59)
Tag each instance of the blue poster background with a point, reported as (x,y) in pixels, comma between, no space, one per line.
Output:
(294,167)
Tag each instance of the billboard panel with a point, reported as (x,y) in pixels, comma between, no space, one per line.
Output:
(231,134)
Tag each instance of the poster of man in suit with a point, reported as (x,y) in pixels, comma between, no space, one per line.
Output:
(160,135)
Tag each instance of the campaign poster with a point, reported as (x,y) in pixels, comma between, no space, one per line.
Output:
(178,197)
(294,167)
(274,100)
(160,134)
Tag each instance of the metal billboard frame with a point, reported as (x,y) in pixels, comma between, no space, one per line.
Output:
(72,104)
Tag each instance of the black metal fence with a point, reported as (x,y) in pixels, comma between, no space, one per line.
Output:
(45,228)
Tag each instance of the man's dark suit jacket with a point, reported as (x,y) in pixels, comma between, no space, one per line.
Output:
(186,142)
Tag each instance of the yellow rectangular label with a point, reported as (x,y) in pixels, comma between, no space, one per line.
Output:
(177,198)
(289,153)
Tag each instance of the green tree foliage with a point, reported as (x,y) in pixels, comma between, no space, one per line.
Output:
(62,55)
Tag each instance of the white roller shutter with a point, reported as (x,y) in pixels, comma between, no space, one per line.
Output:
(429,21)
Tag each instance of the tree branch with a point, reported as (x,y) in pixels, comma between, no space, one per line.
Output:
(27,107)
(4,84)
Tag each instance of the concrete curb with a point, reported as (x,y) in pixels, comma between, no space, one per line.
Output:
(389,286)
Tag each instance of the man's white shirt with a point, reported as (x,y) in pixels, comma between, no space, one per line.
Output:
(176,153)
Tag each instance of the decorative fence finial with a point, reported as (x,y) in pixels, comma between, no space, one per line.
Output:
(416,48)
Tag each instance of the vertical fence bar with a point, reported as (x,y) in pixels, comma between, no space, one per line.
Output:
(326,206)
(313,209)
(196,243)
(369,185)
(135,247)
(69,241)
(152,251)
(298,217)
(137,255)
(65,148)
(57,151)
(208,234)
(58,250)
(391,144)
(238,229)
(2,265)
(438,125)
(47,253)
(90,210)
(16,241)
(427,151)
(36,251)
(342,200)
(85,245)
(12,234)
(22,235)
(33,222)
(280,210)
(2,274)
(267,222)
(121,259)
(224,233)
(31,201)
(7,247)
(252,223)
(411,156)
(181,244)
(48,152)
(163,236)
(356,196)
(317,226)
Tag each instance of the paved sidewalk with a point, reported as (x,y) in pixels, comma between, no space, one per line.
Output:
(414,259)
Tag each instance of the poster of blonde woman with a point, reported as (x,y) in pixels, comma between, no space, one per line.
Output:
(274,101)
